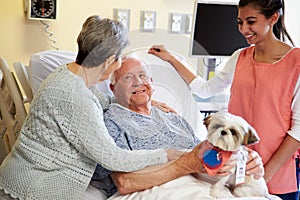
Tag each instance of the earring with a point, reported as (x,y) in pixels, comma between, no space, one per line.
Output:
(110,61)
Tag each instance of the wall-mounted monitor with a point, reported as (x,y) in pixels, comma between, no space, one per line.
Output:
(215,31)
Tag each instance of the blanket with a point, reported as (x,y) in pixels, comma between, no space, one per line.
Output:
(186,187)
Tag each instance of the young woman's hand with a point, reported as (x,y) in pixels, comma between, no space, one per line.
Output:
(162,106)
(160,51)
(254,164)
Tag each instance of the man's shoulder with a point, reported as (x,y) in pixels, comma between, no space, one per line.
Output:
(114,112)
(109,111)
(165,114)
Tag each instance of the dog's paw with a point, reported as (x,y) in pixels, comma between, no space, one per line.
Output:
(243,192)
(254,188)
(219,193)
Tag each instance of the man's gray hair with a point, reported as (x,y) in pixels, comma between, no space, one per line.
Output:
(134,56)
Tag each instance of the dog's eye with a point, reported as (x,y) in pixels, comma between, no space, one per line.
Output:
(233,132)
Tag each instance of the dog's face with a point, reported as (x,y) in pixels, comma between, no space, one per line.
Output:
(228,131)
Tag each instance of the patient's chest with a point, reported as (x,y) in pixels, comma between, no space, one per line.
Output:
(160,130)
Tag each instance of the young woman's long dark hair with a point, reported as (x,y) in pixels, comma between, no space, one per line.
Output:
(268,8)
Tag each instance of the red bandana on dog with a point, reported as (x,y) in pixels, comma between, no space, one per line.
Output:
(213,158)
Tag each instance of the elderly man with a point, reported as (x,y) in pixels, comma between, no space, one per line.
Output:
(135,124)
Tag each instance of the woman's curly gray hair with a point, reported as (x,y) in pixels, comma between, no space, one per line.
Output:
(99,39)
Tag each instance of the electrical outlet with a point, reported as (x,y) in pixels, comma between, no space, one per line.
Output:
(176,23)
(148,21)
(188,23)
(122,15)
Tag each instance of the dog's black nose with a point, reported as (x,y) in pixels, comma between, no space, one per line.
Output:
(223,133)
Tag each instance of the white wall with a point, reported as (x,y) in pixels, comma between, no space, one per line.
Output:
(20,37)
(292,14)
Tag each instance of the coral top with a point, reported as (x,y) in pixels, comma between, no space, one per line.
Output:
(262,93)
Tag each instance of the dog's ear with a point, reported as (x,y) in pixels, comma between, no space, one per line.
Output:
(251,136)
(207,120)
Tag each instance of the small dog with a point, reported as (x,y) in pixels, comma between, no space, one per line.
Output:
(229,133)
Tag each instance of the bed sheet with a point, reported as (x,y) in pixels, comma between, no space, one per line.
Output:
(186,187)
(93,193)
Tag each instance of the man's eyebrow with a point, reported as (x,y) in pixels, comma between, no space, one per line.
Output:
(127,73)
(143,71)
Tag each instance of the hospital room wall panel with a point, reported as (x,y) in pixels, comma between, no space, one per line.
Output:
(20,37)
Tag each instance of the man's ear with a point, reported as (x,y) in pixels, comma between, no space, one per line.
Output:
(112,87)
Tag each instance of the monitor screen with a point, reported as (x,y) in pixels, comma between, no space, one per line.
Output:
(215,30)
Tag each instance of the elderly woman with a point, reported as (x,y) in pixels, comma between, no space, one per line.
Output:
(64,135)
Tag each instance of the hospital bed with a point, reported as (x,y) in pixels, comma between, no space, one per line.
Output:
(169,88)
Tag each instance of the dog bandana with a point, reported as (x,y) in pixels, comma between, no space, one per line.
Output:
(213,158)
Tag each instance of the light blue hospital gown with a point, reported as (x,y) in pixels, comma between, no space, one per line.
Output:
(134,131)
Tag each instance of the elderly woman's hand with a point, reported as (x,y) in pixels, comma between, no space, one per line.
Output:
(173,154)
(191,162)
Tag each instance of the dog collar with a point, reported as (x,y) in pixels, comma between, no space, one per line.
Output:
(213,158)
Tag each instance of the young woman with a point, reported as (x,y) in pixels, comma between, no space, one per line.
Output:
(265,89)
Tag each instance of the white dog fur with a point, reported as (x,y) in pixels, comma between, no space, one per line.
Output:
(230,133)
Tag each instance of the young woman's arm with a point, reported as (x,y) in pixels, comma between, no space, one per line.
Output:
(162,53)
(201,87)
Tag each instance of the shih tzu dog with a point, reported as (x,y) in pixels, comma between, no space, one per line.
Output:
(227,136)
